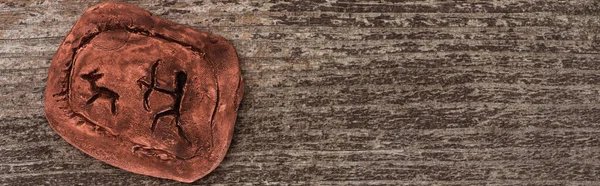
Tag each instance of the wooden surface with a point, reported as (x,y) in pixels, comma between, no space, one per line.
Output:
(381,92)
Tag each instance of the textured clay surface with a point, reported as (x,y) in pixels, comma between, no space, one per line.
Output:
(144,94)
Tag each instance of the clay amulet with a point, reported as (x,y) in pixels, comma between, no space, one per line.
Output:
(144,94)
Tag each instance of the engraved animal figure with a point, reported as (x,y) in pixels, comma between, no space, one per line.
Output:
(177,95)
(99,91)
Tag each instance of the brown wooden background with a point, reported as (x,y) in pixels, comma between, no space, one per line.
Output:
(345,92)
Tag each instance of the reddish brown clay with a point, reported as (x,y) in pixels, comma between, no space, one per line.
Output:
(144,94)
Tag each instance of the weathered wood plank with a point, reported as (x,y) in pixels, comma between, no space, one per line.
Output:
(345,92)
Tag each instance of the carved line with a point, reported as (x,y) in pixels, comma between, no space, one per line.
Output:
(153,152)
(177,95)
(212,117)
(97,128)
(92,78)
(151,84)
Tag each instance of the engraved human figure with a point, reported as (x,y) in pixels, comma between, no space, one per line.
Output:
(177,95)
(99,91)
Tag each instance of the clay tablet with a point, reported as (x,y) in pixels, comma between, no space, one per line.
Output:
(144,94)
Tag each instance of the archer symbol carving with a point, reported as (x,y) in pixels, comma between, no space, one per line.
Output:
(177,95)
(98,91)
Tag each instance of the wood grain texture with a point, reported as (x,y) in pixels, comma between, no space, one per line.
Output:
(347,92)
